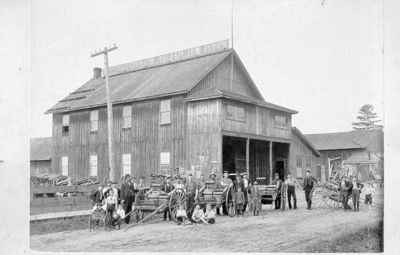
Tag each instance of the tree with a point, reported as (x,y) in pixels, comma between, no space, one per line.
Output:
(367,119)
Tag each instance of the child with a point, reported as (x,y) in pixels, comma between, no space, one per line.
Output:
(118,216)
(109,206)
(355,193)
(210,214)
(198,215)
(181,215)
(239,200)
(369,191)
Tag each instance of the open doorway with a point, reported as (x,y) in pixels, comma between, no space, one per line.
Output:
(233,154)
(280,159)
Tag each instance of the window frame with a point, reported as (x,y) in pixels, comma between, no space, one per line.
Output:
(65,123)
(93,157)
(64,166)
(94,118)
(165,167)
(124,163)
(279,124)
(127,116)
(165,108)
(233,113)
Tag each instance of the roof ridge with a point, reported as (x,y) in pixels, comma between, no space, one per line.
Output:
(171,58)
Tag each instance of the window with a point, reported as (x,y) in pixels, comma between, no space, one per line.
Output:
(127,116)
(308,162)
(93,165)
(236,113)
(165,112)
(164,162)
(94,121)
(280,121)
(64,165)
(65,124)
(126,164)
(299,166)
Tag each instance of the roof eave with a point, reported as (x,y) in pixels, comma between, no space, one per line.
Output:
(69,109)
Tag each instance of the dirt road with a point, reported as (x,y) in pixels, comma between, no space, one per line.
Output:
(295,230)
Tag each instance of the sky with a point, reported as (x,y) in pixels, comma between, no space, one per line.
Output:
(323,60)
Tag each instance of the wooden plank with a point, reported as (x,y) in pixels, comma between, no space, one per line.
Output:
(270,161)
(247,156)
(56,215)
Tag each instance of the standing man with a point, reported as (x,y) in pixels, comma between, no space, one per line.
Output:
(126,197)
(191,191)
(291,191)
(245,181)
(308,188)
(167,188)
(278,183)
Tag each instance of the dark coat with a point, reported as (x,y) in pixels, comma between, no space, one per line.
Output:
(97,196)
(308,183)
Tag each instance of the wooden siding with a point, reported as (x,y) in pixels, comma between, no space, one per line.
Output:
(144,140)
(204,137)
(220,78)
(299,149)
(258,121)
(38,167)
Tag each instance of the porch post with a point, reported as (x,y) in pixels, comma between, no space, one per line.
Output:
(248,156)
(270,162)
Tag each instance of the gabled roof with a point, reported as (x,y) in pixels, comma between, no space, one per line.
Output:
(169,79)
(40,148)
(356,139)
(304,140)
(166,75)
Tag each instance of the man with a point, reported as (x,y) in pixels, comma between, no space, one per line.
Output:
(167,188)
(291,191)
(97,196)
(226,181)
(202,182)
(308,188)
(245,181)
(191,192)
(127,196)
(278,183)
(345,188)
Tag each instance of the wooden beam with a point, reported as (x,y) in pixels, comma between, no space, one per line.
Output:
(248,156)
(270,162)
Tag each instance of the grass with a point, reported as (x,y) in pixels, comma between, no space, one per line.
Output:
(367,239)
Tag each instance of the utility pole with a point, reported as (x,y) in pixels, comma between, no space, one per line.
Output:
(105,51)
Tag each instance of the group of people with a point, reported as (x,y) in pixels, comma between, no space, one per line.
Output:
(117,202)
(351,187)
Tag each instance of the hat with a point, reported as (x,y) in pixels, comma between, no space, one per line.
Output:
(213,173)
(190,174)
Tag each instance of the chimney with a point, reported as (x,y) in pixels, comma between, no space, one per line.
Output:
(96,72)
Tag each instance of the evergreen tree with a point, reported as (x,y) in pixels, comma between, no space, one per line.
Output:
(367,119)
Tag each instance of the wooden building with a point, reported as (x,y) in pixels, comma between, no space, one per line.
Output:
(40,155)
(196,110)
(360,152)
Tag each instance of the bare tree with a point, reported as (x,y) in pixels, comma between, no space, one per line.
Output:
(367,119)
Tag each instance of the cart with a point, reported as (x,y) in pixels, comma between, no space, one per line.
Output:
(211,194)
(267,192)
(326,195)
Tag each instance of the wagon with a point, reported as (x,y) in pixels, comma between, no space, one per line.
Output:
(267,191)
(154,200)
(327,195)
(211,194)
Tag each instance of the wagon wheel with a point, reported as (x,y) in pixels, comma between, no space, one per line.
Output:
(230,202)
(178,197)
